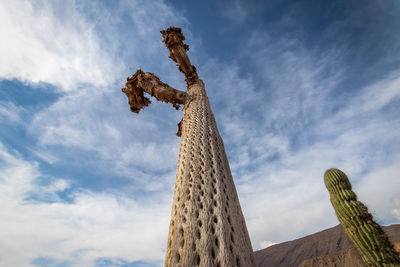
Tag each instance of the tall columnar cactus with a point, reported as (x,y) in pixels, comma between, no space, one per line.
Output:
(207,225)
(366,235)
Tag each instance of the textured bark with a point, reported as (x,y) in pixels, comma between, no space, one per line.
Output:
(207,226)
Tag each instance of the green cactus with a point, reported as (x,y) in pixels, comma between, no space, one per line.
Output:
(366,235)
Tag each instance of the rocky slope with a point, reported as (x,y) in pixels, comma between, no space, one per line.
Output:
(326,248)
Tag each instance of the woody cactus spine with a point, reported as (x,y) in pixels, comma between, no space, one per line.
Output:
(365,234)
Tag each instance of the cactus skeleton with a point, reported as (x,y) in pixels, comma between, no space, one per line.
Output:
(207,226)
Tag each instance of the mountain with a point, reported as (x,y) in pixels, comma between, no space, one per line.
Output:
(326,248)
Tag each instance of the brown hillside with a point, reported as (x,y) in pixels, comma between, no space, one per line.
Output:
(326,248)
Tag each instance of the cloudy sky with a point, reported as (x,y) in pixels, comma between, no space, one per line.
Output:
(296,87)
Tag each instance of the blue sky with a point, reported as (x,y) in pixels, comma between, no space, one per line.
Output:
(296,87)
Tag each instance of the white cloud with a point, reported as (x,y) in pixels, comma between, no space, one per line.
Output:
(92,226)
(103,126)
(72,44)
(11,113)
(382,93)
(44,155)
(43,42)
(396,210)
(378,189)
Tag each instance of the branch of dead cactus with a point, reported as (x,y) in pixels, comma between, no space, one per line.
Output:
(141,82)
(173,39)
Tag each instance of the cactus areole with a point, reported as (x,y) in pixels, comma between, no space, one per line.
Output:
(365,234)
(207,227)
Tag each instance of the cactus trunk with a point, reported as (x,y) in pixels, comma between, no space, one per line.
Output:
(365,234)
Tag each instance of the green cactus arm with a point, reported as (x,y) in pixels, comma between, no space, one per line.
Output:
(366,235)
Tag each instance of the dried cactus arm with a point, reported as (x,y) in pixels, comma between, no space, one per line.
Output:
(173,39)
(141,82)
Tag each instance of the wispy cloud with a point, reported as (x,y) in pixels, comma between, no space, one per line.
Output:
(234,11)
(287,110)
(52,46)
(91,226)
(9,112)
(378,189)
(289,118)
(279,183)
(101,126)
(73,44)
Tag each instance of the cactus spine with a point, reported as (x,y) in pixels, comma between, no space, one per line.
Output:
(366,235)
